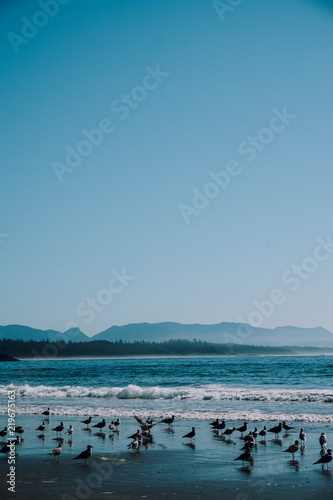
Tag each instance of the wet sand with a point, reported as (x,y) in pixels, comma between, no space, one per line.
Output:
(171,467)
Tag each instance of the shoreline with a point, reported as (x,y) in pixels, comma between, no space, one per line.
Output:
(171,467)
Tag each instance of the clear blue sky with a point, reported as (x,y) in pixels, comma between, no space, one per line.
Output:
(120,207)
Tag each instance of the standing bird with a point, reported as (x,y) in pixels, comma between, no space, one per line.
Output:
(302,437)
(86,422)
(100,425)
(219,426)
(249,445)
(263,432)
(56,452)
(276,430)
(116,423)
(59,428)
(47,412)
(286,426)
(5,449)
(255,433)
(168,421)
(229,431)
(85,454)
(41,428)
(4,432)
(70,430)
(242,429)
(246,456)
(326,459)
(292,448)
(323,441)
(215,422)
(191,434)
(19,429)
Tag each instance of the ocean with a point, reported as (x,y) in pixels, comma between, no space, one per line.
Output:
(263,389)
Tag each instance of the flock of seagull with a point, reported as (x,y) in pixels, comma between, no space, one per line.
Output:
(250,440)
(144,436)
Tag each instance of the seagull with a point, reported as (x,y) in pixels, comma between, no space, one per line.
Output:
(255,433)
(263,432)
(246,456)
(302,436)
(135,444)
(85,454)
(326,459)
(191,434)
(323,441)
(59,428)
(117,422)
(219,426)
(215,422)
(242,429)
(100,425)
(56,452)
(286,426)
(19,429)
(229,431)
(277,429)
(47,412)
(249,437)
(168,421)
(111,426)
(16,441)
(86,422)
(5,449)
(292,448)
(249,445)
(145,424)
(41,428)
(136,435)
(4,432)
(70,430)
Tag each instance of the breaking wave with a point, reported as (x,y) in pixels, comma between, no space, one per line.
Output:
(201,393)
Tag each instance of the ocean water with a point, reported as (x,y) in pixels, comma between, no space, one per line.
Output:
(264,389)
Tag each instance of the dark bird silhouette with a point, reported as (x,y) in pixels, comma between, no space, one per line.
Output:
(86,422)
(191,434)
(245,457)
(292,448)
(47,412)
(326,459)
(59,428)
(85,454)
(3,432)
(219,426)
(41,428)
(229,431)
(242,428)
(215,422)
(276,430)
(286,426)
(19,429)
(168,421)
(263,432)
(100,425)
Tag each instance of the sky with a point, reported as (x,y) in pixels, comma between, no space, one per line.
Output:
(166,161)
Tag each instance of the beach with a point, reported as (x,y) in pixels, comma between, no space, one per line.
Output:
(260,391)
(171,467)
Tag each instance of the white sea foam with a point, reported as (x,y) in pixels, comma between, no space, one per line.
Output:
(202,393)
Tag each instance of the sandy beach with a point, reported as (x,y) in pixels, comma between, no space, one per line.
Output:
(171,467)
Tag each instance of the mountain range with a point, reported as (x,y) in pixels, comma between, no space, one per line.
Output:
(224,332)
